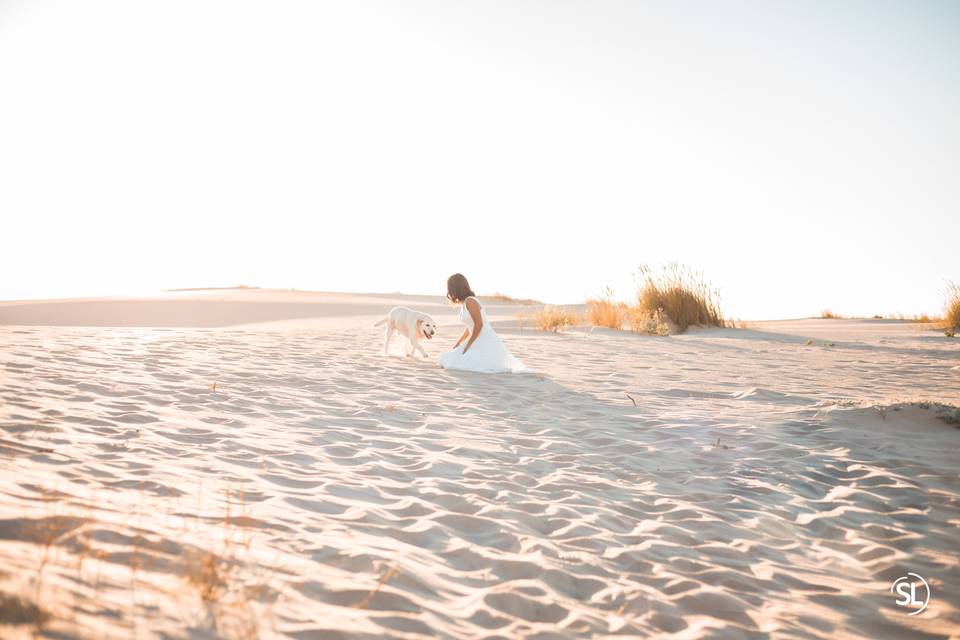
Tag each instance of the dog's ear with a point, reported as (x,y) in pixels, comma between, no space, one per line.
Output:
(420,325)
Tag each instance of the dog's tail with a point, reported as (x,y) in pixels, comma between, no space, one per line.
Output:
(381,322)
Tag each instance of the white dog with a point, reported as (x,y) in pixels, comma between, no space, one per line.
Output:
(411,324)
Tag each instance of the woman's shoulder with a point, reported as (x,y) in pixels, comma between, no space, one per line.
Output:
(473,299)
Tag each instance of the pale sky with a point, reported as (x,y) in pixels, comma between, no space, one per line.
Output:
(804,155)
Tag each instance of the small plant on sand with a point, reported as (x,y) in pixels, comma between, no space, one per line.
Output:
(604,311)
(951,310)
(551,318)
(682,295)
(830,315)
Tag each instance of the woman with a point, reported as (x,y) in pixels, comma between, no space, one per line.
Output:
(483,351)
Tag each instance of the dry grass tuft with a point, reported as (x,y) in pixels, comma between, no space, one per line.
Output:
(830,315)
(667,302)
(737,323)
(917,318)
(551,318)
(951,310)
(606,312)
(681,295)
(655,323)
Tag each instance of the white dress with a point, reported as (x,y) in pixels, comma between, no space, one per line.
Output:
(487,354)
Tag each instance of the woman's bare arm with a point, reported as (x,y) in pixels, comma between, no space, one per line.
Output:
(466,332)
(474,308)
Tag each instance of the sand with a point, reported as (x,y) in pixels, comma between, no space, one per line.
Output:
(248,464)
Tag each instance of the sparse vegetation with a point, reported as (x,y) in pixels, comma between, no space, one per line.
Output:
(551,318)
(830,315)
(682,295)
(951,310)
(948,413)
(668,301)
(604,311)
(918,318)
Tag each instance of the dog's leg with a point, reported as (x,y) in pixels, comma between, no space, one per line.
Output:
(386,340)
(418,347)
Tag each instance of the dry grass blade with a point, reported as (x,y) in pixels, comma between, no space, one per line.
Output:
(392,571)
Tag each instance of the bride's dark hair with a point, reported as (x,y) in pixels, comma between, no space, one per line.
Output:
(458,289)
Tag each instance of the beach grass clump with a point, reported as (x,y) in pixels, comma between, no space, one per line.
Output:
(826,314)
(951,310)
(604,311)
(551,318)
(681,295)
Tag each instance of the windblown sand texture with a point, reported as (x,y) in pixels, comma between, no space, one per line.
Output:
(248,464)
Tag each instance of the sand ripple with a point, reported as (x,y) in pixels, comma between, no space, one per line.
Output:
(173,483)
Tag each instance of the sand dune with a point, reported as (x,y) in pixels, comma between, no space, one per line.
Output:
(279,477)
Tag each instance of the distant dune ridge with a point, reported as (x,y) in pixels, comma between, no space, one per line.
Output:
(246,464)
